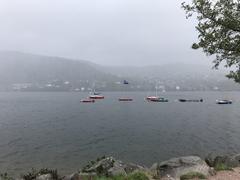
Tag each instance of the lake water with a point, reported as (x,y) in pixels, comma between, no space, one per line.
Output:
(55,130)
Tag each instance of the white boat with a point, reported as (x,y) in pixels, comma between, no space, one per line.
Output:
(224,101)
(94,94)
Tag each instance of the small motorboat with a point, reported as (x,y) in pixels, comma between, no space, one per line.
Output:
(156,99)
(96,97)
(125,99)
(152,97)
(224,101)
(190,100)
(87,101)
(96,93)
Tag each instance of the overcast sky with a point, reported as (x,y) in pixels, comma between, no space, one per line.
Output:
(112,32)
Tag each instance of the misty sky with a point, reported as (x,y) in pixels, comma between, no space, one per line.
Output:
(113,32)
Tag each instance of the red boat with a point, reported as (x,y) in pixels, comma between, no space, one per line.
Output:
(152,98)
(96,97)
(156,99)
(87,101)
(125,99)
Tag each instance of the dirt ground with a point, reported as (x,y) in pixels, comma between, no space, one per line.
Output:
(227,175)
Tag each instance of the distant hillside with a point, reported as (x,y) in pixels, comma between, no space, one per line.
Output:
(35,72)
(172,71)
(187,76)
(20,67)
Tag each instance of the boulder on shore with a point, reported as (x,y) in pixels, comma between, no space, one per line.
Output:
(104,166)
(44,177)
(228,160)
(108,166)
(176,167)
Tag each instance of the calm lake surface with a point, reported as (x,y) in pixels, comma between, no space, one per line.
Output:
(55,130)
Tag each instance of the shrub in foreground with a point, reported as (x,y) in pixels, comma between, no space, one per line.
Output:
(222,167)
(193,175)
(133,176)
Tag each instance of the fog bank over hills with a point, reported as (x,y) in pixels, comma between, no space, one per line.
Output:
(29,72)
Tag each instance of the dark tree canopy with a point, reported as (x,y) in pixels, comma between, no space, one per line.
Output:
(219,31)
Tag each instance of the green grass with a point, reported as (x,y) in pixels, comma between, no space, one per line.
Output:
(192,175)
(137,176)
(133,176)
(222,167)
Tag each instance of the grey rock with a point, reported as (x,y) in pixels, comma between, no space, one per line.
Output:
(74,176)
(212,171)
(44,177)
(176,167)
(154,170)
(130,167)
(114,171)
(79,176)
(90,175)
(106,166)
(117,169)
(210,160)
(228,160)
(100,167)
(109,166)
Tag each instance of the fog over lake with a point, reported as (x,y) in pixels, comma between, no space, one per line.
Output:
(83,79)
(108,32)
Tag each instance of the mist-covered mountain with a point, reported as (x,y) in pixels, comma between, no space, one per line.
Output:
(21,71)
(21,67)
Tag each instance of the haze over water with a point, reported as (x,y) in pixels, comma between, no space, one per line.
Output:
(55,130)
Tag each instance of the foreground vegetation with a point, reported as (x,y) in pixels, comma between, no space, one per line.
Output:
(33,174)
(193,175)
(133,176)
(222,167)
(109,168)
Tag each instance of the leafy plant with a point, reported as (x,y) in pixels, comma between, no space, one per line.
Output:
(218,31)
(192,175)
(222,167)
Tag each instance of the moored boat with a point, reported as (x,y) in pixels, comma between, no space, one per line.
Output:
(96,97)
(96,93)
(156,99)
(190,100)
(224,101)
(125,99)
(87,101)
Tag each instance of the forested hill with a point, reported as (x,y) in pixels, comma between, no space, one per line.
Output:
(37,72)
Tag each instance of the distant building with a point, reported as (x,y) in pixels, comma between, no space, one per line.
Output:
(21,86)
(178,88)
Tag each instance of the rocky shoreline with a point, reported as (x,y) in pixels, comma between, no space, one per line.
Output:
(181,168)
